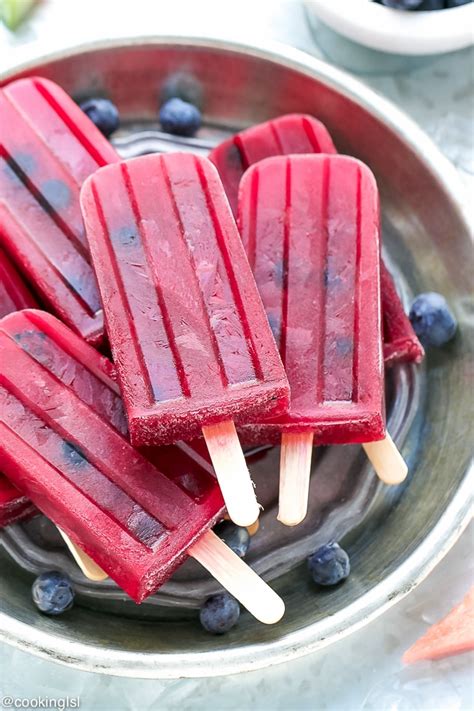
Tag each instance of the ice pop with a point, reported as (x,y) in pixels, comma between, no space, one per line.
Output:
(48,147)
(284,135)
(296,134)
(189,336)
(62,442)
(310,226)
(400,342)
(14,295)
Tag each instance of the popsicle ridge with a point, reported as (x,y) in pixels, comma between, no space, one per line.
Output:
(321,260)
(359,296)
(308,128)
(276,137)
(285,263)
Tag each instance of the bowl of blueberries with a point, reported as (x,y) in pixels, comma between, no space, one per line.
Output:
(371,36)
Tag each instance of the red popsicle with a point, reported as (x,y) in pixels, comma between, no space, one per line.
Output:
(62,440)
(296,134)
(184,319)
(400,340)
(310,226)
(48,147)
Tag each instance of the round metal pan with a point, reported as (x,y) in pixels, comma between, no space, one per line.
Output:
(396,536)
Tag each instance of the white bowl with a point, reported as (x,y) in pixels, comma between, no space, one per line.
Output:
(398,31)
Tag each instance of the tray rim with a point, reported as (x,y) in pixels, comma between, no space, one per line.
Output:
(424,558)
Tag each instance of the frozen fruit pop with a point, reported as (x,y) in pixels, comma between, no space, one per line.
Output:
(400,341)
(62,441)
(296,134)
(48,147)
(310,226)
(14,295)
(189,336)
(285,135)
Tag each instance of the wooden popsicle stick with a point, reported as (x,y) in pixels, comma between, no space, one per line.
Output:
(232,472)
(295,470)
(90,569)
(387,461)
(238,578)
(253,529)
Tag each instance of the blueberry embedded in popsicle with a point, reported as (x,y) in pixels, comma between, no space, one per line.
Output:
(125,235)
(25,161)
(73,454)
(32,342)
(56,193)
(344,346)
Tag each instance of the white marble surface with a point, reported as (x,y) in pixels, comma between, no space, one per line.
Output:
(363,671)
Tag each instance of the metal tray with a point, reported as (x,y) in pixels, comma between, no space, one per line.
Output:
(395,536)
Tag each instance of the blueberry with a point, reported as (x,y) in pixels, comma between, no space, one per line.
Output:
(432,5)
(103,113)
(402,4)
(329,564)
(53,592)
(456,3)
(179,117)
(432,319)
(219,613)
(182,86)
(236,537)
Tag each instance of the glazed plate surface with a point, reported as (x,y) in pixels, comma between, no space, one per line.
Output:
(394,536)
